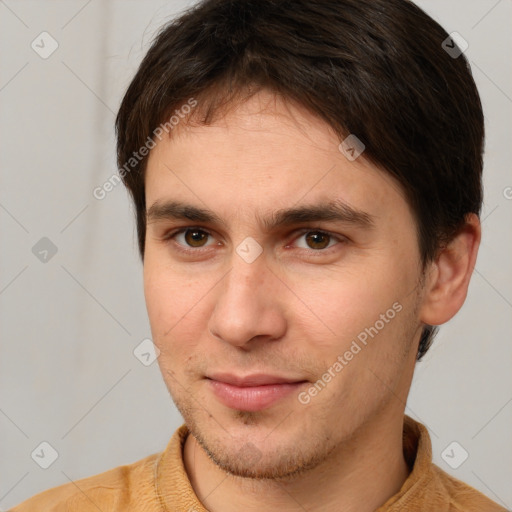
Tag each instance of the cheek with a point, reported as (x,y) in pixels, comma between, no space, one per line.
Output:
(341,306)
(174,304)
(361,337)
(370,321)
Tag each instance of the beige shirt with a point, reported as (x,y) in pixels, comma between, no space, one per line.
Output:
(159,483)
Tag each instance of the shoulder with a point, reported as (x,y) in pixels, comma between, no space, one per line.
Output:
(462,496)
(117,489)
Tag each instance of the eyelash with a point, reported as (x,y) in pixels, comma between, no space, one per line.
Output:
(169,237)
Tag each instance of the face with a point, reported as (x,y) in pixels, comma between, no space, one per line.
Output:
(239,302)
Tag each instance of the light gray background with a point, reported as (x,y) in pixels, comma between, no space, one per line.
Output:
(69,326)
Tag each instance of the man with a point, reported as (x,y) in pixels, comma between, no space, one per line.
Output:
(303,227)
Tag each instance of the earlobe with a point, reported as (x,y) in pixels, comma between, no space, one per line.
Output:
(449,275)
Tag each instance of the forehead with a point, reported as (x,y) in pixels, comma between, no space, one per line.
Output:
(263,155)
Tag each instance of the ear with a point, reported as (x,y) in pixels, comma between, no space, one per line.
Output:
(447,278)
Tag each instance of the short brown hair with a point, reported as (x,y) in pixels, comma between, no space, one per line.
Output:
(373,68)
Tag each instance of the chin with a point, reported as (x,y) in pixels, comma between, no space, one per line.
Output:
(267,464)
(259,453)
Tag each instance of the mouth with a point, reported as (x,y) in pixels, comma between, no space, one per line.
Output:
(252,392)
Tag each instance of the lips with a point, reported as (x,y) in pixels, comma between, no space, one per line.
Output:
(256,379)
(252,392)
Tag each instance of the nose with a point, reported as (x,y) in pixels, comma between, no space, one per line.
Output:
(248,306)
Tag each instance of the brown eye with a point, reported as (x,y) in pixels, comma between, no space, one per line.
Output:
(195,237)
(317,240)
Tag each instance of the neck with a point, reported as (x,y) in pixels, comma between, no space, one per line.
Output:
(359,476)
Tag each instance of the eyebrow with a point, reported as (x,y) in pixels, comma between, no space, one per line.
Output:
(335,210)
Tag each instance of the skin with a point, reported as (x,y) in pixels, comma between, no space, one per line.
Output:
(292,311)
